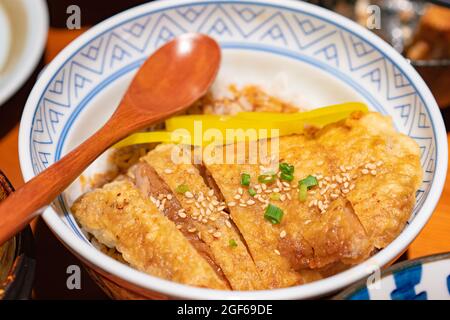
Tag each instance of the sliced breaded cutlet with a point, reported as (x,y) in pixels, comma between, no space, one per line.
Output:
(119,216)
(367,177)
(203,214)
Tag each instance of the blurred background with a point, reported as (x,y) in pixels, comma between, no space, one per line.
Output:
(420,30)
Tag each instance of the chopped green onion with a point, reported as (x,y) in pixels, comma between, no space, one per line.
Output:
(267,178)
(302,192)
(275,196)
(232,243)
(273,214)
(245,179)
(252,192)
(309,181)
(286,176)
(182,188)
(286,168)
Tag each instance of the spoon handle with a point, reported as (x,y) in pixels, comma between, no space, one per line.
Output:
(20,207)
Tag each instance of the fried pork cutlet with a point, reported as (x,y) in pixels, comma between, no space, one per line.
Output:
(368,174)
(203,215)
(198,225)
(119,216)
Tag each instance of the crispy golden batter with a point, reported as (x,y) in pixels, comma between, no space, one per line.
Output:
(119,216)
(383,203)
(235,261)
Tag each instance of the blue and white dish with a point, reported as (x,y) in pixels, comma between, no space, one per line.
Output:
(314,57)
(426,278)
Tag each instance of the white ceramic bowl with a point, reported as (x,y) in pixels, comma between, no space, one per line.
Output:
(306,54)
(27,23)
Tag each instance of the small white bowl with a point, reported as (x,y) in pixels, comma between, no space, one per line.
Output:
(28,26)
(309,55)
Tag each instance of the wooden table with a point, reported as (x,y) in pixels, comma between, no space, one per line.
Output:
(53,259)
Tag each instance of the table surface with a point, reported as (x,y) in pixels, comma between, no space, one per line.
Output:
(53,259)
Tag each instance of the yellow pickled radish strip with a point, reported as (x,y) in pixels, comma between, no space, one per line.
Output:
(190,129)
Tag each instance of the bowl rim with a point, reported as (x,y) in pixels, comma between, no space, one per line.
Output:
(314,289)
(401,266)
(38,23)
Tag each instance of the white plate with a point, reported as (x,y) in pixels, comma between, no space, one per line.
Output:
(324,59)
(28,22)
(5,37)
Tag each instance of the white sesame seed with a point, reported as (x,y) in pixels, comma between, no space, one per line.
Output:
(242,204)
(227,223)
(277,252)
(288,196)
(346,185)
(204,220)
(250,202)
(282,234)
(217,234)
(352,186)
(240,191)
(237,197)
(373,172)
(364,171)
(179,226)
(345,191)
(342,168)
(231,204)
(210,192)
(182,215)
(370,166)
(283,197)
(188,195)
(379,163)
(192,230)
(169,197)
(276,190)
(320,162)
(307,222)
(333,196)
(168,171)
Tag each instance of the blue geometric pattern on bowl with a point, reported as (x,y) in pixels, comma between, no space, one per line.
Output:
(235,24)
(422,279)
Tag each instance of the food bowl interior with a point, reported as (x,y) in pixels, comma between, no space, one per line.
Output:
(298,52)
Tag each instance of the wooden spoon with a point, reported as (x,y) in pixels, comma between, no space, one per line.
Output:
(169,81)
